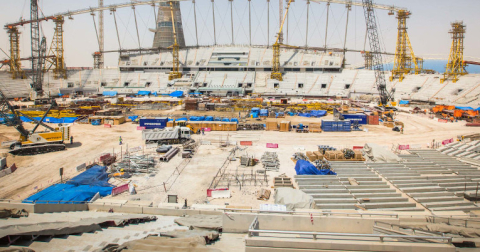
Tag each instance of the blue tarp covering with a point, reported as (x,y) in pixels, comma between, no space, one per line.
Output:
(67,192)
(95,176)
(182,119)
(51,119)
(254,114)
(133,118)
(154,93)
(217,119)
(177,94)
(197,118)
(96,122)
(110,93)
(225,120)
(314,113)
(234,120)
(209,118)
(80,188)
(404,102)
(291,113)
(477,109)
(170,120)
(306,168)
(143,92)
(263,112)
(60,94)
(255,110)
(464,108)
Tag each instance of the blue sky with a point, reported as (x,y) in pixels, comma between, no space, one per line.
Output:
(428,26)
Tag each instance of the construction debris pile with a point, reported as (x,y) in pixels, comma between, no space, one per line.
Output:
(132,164)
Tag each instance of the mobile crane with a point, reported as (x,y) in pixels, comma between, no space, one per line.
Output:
(33,142)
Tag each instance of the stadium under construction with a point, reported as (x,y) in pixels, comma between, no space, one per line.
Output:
(191,146)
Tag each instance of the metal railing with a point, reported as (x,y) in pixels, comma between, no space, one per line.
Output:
(309,213)
(453,221)
(254,231)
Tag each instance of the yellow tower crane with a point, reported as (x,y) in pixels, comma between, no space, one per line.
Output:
(276,74)
(456,65)
(404,55)
(175,73)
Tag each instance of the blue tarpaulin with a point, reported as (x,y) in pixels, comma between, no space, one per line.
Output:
(306,168)
(133,118)
(67,194)
(110,93)
(81,188)
(255,110)
(254,115)
(60,94)
(51,119)
(95,176)
(464,108)
(404,102)
(234,120)
(177,94)
(209,119)
(182,119)
(314,113)
(263,112)
(143,92)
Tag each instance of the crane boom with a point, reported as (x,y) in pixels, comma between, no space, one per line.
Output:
(276,74)
(391,8)
(175,74)
(377,62)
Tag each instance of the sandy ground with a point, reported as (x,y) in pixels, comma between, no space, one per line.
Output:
(91,141)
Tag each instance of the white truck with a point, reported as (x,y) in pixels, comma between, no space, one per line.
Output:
(175,135)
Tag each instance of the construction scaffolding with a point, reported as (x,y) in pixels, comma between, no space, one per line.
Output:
(368,60)
(405,61)
(15,65)
(456,65)
(56,49)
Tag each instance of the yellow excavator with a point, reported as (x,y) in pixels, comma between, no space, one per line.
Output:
(33,142)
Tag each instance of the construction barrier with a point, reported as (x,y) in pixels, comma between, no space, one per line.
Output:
(107,125)
(444,142)
(271,145)
(404,147)
(140,128)
(357,147)
(443,120)
(209,191)
(246,143)
(119,189)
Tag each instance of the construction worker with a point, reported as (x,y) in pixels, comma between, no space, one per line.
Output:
(203,131)
(120,140)
(401,130)
(71,139)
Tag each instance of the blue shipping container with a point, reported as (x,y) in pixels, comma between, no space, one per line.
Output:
(157,123)
(361,118)
(332,126)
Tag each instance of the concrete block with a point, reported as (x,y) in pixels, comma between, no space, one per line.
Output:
(239,223)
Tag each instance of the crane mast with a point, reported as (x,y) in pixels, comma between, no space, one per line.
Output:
(276,74)
(36,49)
(375,51)
(175,73)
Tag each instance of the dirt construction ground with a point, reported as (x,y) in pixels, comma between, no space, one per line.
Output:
(40,171)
